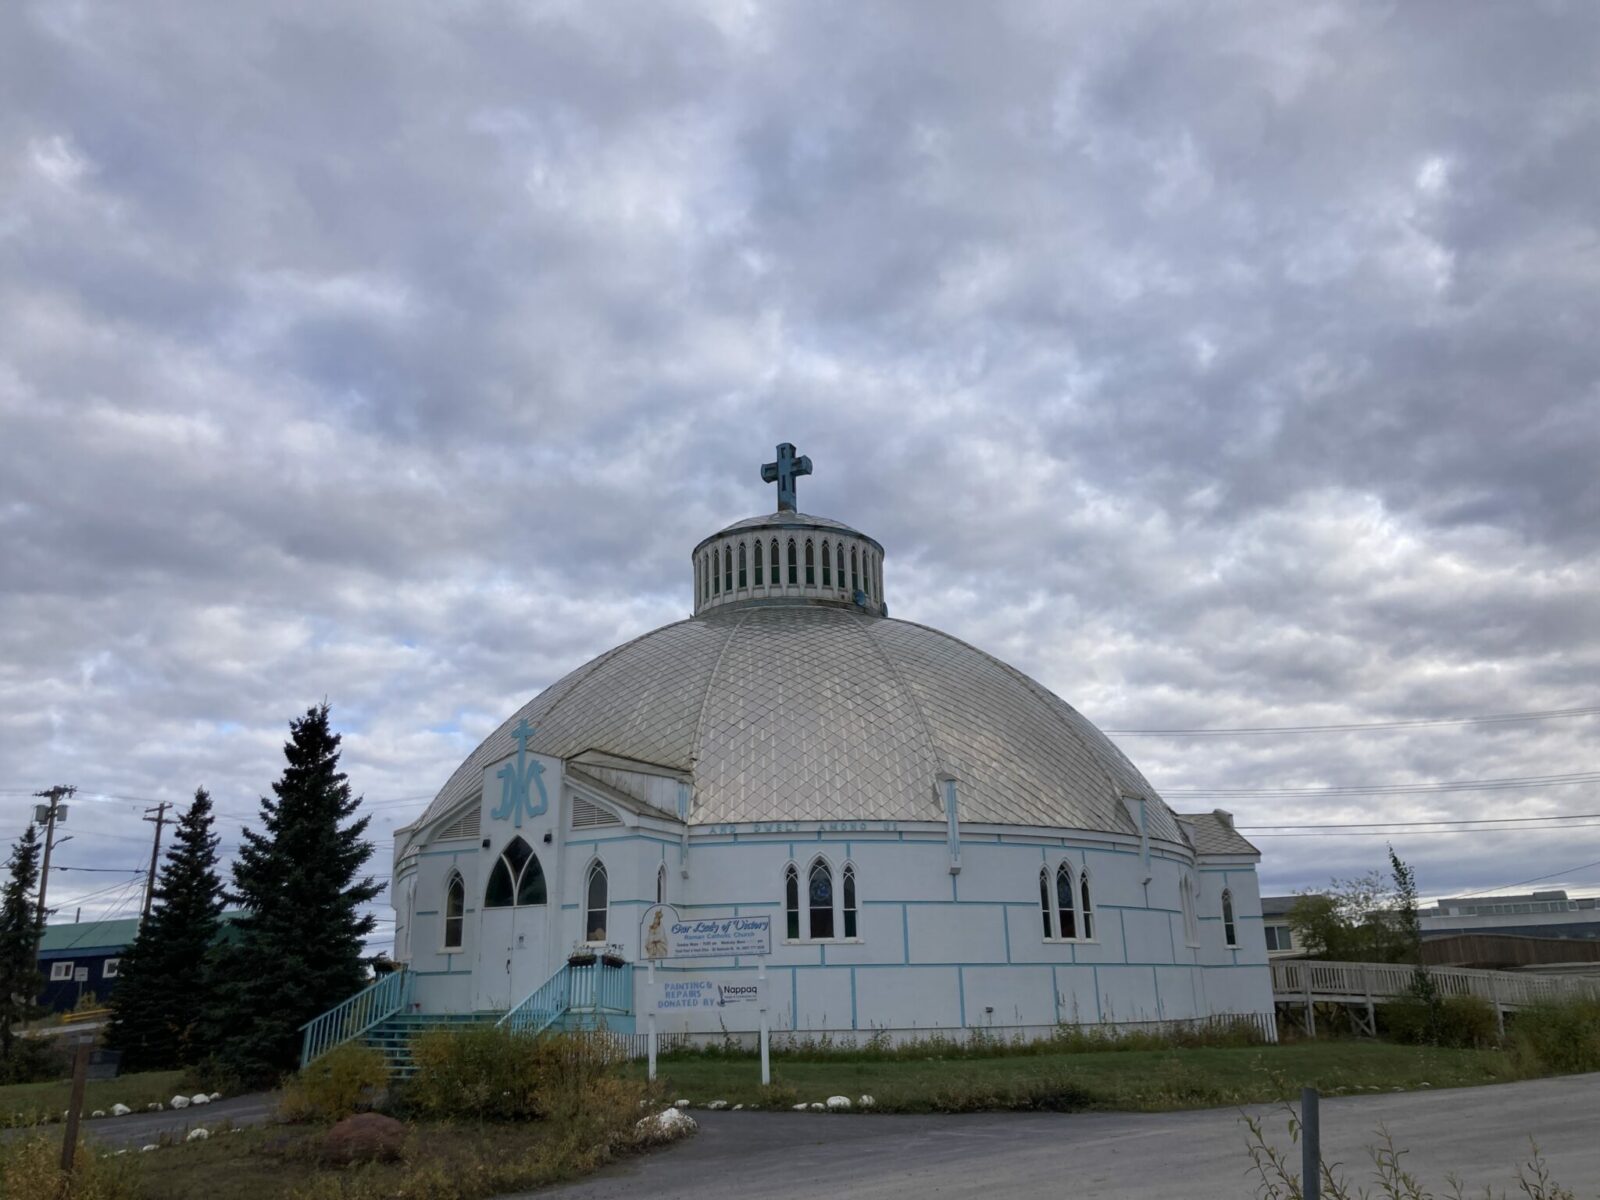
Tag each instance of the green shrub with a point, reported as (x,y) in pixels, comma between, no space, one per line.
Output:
(1557,1037)
(37,1060)
(1458,1022)
(481,1071)
(343,1081)
(30,1169)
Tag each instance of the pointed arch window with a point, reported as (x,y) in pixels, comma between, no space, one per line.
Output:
(517,878)
(794,571)
(742,580)
(1230,931)
(455,910)
(811,564)
(727,568)
(1044,899)
(773,562)
(827,566)
(1086,914)
(1066,914)
(760,556)
(791,902)
(596,896)
(716,572)
(819,899)
(838,562)
(855,574)
(848,884)
(661,876)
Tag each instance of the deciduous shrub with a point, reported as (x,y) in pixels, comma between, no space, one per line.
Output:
(1462,1022)
(30,1169)
(343,1081)
(1557,1037)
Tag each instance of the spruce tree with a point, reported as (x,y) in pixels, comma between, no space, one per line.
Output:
(21,924)
(298,950)
(164,980)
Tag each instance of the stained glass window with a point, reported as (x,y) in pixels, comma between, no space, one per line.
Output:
(819,889)
(1064,903)
(791,901)
(455,904)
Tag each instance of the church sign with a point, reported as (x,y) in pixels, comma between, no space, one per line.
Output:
(663,934)
(675,995)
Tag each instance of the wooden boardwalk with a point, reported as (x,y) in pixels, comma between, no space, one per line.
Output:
(1299,985)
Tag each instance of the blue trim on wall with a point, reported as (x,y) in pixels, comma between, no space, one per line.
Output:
(854,1024)
(905,933)
(961,985)
(1099,1014)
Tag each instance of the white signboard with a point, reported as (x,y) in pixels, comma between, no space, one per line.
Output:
(663,934)
(80,975)
(684,995)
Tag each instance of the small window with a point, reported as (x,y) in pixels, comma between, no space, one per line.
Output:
(855,574)
(1044,898)
(760,557)
(1087,915)
(819,889)
(595,911)
(108,969)
(811,565)
(661,871)
(791,902)
(774,562)
(1230,932)
(827,567)
(794,570)
(60,970)
(727,568)
(716,572)
(455,908)
(743,583)
(849,882)
(1067,921)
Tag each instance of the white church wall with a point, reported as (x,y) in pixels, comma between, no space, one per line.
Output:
(924,998)
(999,997)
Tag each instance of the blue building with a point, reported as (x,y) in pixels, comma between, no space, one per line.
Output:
(81,959)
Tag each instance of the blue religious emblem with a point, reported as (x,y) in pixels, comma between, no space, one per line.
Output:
(514,780)
(784,472)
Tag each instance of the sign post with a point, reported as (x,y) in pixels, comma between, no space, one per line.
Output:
(663,935)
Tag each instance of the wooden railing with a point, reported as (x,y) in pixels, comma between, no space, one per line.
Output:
(1297,979)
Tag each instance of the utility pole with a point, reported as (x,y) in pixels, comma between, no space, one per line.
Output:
(158,820)
(51,812)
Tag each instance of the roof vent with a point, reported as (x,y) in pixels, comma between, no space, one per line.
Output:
(587,816)
(464,826)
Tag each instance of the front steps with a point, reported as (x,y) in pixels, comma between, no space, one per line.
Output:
(393,1036)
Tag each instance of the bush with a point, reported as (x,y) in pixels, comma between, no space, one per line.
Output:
(30,1169)
(37,1060)
(341,1082)
(1557,1037)
(481,1071)
(1458,1022)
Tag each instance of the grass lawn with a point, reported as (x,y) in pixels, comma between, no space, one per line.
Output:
(25,1103)
(1127,1080)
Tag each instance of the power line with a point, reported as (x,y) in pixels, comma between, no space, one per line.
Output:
(1414,833)
(1441,821)
(1523,882)
(1388,789)
(1549,714)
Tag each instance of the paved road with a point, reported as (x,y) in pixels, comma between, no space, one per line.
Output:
(138,1129)
(1479,1133)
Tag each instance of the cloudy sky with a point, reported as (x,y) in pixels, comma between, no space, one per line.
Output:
(1220,365)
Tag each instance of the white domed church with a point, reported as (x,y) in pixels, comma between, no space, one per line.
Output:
(939,842)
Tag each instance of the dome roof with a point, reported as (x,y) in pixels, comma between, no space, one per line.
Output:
(784,712)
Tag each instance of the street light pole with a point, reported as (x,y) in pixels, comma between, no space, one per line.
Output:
(54,810)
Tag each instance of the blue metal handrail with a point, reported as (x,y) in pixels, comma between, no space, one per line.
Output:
(351,1018)
(580,987)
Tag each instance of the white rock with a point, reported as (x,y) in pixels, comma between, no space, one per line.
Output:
(737,1107)
(147,1149)
(669,1122)
(99,1112)
(1422,1085)
(801,1107)
(198,1135)
(838,1103)
(119,1153)
(717,1105)
(199,1098)
(156,1107)
(216,1095)
(819,1108)
(866,1102)
(680,1104)
(120,1110)
(179,1102)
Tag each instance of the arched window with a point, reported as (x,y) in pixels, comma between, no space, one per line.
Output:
(760,557)
(595,905)
(811,565)
(716,572)
(1044,898)
(1230,932)
(827,566)
(791,901)
(517,878)
(774,563)
(727,568)
(1087,915)
(455,909)
(1066,917)
(743,582)
(819,895)
(855,574)
(849,884)
(661,871)
(838,562)
(794,572)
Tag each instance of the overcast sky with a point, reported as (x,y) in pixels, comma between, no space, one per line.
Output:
(1219,365)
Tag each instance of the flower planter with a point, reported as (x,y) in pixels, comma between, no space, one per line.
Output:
(613,960)
(580,960)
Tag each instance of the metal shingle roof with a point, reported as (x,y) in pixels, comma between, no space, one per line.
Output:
(806,712)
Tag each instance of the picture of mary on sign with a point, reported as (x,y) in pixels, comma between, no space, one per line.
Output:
(655,941)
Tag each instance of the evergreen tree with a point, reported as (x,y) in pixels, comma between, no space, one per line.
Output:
(164,980)
(298,951)
(21,924)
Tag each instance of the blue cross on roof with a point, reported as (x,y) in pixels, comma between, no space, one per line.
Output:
(784,472)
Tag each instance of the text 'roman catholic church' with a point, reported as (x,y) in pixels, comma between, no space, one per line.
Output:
(940,843)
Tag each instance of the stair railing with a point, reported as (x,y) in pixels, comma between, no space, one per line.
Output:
(584,987)
(542,1007)
(351,1018)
